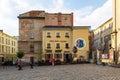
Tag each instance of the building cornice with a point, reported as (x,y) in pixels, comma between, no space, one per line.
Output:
(30,17)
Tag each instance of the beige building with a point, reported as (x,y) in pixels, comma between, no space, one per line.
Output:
(58,42)
(8,45)
(116,28)
(30,28)
(114,54)
(102,40)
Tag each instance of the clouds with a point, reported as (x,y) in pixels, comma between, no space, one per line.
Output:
(96,17)
(10,9)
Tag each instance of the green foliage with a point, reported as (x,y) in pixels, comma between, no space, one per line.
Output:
(58,50)
(40,54)
(20,54)
(48,50)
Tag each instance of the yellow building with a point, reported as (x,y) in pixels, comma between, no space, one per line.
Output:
(80,34)
(116,29)
(58,42)
(8,46)
(102,41)
(114,32)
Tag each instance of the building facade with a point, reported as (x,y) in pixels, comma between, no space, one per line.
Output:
(114,36)
(30,34)
(30,28)
(116,29)
(58,42)
(58,19)
(102,40)
(8,46)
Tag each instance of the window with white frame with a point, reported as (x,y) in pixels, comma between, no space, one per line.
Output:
(66,34)
(57,45)
(48,34)
(32,25)
(58,34)
(31,35)
(48,45)
(32,48)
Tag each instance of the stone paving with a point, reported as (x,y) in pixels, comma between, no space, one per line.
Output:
(62,72)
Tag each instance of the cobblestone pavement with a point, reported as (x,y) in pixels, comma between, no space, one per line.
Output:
(62,72)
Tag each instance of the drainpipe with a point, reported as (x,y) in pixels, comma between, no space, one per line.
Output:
(115,36)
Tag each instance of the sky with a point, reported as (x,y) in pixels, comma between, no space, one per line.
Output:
(86,12)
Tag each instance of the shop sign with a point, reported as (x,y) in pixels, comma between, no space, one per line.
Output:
(57,41)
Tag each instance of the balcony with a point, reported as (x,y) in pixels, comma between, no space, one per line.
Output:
(48,36)
(48,50)
(57,36)
(67,47)
(59,50)
(67,36)
(48,47)
(57,47)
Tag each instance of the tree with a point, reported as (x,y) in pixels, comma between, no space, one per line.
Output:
(40,54)
(20,54)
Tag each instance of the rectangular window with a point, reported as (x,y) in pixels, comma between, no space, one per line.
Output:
(48,56)
(31,48)
(58,56)
(6,41)
(57,45)
(31,35)
(67,35)
(3,40)
(48,45)
(57,34)
(2,48)
(14,43)
(66,45)
(32,25)
(12,50)
(9,42)
(48,34)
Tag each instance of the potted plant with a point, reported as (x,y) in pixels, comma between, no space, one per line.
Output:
(58,50)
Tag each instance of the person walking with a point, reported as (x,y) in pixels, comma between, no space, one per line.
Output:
(53,62)
(19,64)
(4,63)
(31,62)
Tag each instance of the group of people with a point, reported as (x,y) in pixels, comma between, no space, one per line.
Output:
(5,62)
(18,63)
